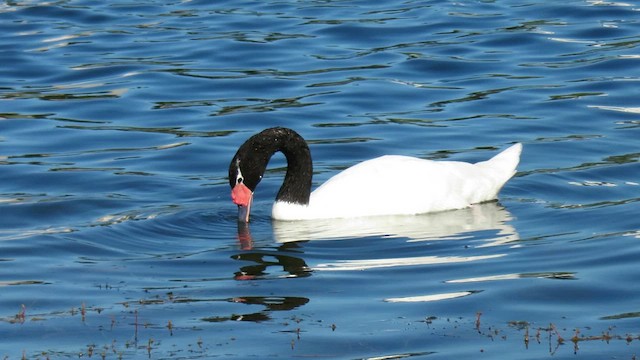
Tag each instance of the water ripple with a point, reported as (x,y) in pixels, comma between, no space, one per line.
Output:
(119,118)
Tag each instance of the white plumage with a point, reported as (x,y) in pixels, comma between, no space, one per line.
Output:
(403,185)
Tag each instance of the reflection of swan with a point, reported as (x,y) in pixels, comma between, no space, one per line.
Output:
(294,265)
(436,226)
(261,261)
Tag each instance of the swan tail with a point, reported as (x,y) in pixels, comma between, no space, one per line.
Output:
(503,166)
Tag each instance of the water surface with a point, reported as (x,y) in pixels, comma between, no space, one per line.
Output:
(118,238)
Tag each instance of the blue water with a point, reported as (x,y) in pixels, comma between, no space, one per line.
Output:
(118,238)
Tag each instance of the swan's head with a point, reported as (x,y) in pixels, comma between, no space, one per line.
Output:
(245,172)
(241,194)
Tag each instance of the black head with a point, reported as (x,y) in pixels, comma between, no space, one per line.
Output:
(250,162)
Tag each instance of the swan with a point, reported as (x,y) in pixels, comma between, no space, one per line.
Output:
(387,185)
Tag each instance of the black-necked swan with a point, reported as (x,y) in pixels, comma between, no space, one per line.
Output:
(387,185)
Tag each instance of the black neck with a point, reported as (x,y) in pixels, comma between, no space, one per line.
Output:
(253,157)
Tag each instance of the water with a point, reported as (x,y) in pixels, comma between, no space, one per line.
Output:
(119,239)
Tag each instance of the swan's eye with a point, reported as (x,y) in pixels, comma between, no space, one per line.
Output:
(239,177)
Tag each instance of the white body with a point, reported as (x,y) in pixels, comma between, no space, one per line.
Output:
(403,185)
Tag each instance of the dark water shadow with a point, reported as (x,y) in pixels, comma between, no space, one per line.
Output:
(270,303)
